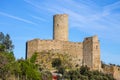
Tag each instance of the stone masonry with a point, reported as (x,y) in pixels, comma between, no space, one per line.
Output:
(84,53)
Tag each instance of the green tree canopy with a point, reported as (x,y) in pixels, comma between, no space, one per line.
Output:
(5,43)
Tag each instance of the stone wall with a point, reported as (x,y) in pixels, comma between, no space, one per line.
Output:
(116,73)
(31,47)
(74,49)
(87,52)
(114,70)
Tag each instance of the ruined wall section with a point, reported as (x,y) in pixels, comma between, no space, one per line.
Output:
(87,52)
(91,53)
(74,49)
(60,29)
(116,73)
(31,47)
(114,70)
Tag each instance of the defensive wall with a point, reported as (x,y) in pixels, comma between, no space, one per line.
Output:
(74,49)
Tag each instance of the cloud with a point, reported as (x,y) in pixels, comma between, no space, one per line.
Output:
(111,7)
(38,18)
(33,4)
(87,16)
(17,18)
(82,13)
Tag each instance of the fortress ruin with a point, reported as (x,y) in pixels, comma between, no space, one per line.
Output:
(83,53)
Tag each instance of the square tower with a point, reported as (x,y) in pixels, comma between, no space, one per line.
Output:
(91,53)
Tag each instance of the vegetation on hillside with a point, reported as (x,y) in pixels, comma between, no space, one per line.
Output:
(82,73)
(15,69)
(35,69)
(85,74)
(46,59)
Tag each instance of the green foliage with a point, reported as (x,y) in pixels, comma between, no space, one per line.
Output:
(33,58)
(28,70)
(85,74)
(56,62)
(5,43)
(84,70)
(6,59)
(1,37)
(2,48)
(61,69)
(20,69)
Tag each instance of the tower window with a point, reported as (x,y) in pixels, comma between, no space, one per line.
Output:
(57,24)
(96,47)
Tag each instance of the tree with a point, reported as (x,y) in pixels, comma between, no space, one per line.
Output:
(56,62)
(6,56)
(61,70)
(2,48)
(6,59)
(84,70)
(8,43)
(27,70)
(5,43)
(1,37)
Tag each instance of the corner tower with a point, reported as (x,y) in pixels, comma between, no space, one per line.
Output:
(91,53)
(60,27)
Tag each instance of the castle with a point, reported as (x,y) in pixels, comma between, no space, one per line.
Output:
(83,53)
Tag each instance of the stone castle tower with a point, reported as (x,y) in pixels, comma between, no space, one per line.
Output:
(83,53)
(60,28)
(91,52)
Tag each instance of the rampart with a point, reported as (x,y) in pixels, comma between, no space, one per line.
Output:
(75,49)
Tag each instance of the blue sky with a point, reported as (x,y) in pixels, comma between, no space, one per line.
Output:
(28,19)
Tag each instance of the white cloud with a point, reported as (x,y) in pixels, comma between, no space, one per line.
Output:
(33,4)
(17,18)
(111,7)
(87,16)
(38,18)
